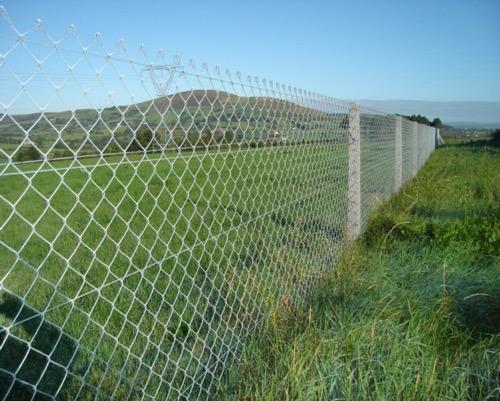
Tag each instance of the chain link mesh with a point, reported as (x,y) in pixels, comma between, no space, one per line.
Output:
(153,212)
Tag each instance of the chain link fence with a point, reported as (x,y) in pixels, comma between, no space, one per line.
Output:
(153,212)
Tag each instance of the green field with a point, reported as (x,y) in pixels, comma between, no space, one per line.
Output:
(194,118)
(412,312)
(139,271)
(139,274)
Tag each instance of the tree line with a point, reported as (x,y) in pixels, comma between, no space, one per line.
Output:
(437,123)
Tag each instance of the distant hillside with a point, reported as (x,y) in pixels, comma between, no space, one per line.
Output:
(469,124)
(175,119)
(216,101)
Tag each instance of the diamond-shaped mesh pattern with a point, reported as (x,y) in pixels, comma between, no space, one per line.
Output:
(152,213)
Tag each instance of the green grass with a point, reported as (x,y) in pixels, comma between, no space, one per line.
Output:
(412,312)
(142,263)
(148,270)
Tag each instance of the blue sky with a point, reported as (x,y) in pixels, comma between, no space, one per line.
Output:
(423,50)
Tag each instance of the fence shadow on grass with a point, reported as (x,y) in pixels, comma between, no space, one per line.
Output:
(24,365)
(477,305)
(312,226)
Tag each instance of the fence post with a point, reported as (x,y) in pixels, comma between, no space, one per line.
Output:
(398,166)
(414,151)
(354,185)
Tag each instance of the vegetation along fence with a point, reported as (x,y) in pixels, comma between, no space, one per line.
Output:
(152,212)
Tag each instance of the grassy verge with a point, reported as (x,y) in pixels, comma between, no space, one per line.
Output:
(413,310)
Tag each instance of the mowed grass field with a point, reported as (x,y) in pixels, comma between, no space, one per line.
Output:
(135,277)
(412,311)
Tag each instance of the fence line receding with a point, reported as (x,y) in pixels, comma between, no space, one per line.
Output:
(153,211)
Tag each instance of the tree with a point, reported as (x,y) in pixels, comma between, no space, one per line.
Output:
(437,123)
(419,119)
(229,137)
(60,145)
(112,148)
(208,137)
(27,153)
(424,120)
(143,140)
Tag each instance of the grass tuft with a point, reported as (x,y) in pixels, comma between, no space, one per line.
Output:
(412,311)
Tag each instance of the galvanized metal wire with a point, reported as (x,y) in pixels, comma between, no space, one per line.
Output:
(152,212)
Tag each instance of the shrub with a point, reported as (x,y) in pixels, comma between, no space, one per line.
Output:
(28,153)
(143,140)
(112,148)
(208,138)
(229,137)
(60,153)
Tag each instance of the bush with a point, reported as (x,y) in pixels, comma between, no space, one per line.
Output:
(143,140)
(208,138)
(62,153)
(28,153)
(229,137)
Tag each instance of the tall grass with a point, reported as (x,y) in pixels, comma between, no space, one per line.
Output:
(412,311)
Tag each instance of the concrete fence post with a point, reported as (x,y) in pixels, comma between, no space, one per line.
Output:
(414,150)
(354,185)
(398,159)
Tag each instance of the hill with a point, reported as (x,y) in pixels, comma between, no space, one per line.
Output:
(178,119)
(476,125)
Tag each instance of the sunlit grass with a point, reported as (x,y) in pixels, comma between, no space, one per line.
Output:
(134,275)
(412,311)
